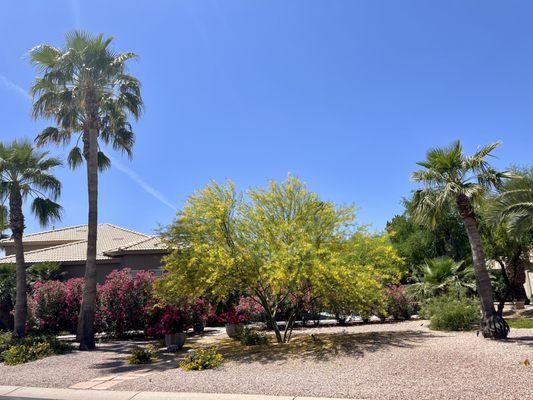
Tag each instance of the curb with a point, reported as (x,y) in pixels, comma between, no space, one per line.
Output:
(21,392)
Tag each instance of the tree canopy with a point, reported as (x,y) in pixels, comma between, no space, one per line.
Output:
(277,243)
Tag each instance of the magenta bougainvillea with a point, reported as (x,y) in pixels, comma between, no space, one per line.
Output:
(166,320)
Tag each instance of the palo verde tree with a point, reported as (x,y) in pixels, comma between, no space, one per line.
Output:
(450,177)
(26,173)
(279,244)
(85,88)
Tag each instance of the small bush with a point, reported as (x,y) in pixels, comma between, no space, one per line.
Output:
(140,355)
(201,359)
(29,349)
(251,338)
(452,313)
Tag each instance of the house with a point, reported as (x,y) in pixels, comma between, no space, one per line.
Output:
(117,248)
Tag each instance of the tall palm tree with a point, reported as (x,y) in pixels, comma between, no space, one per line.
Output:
(450,177)
(85,88)
(26,172)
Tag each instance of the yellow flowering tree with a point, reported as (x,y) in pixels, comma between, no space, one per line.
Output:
(279,244)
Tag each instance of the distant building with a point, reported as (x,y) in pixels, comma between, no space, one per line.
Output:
(117,248)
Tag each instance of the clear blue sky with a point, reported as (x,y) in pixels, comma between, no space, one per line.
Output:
(347,95)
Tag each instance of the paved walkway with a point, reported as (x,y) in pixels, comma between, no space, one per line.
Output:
(35,393)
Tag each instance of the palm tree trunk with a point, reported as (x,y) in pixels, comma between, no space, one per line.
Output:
(16,219)
(492,325)
(88,306)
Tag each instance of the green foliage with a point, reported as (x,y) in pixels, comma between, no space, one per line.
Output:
(442,276)
(28,349)
(277,243)
(85,68)
(27,171)
(8,283)
(201,359)
(5,341)
(44,271)
(139,355)
(520,323)
(416,243)
(449,313)
(513,208)
(249,337)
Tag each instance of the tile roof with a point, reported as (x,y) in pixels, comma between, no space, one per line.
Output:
(111,239)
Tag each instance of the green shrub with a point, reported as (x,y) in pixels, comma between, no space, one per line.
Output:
(21,351)
(201,359)
(5,341)
(140,355)
(249,337)
(452,313)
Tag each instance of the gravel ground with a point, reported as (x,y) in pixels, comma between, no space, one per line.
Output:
(65,370)
(386,361)
(390,361)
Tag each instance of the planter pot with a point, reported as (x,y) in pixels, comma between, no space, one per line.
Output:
(233,330)
(175,341)
(198,327)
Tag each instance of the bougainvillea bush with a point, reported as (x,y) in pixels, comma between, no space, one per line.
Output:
(122,300)
(166,320)
(200,310)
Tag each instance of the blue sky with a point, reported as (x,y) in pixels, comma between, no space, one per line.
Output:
(347,95)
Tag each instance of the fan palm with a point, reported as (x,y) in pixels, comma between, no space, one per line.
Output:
(26,172)
(514,206)
(450,177)
(86,90)
(440,276)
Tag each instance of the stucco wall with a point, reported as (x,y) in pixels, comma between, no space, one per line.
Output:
(141,261)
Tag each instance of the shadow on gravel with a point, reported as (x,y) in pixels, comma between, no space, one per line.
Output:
(523,340)
(323,347)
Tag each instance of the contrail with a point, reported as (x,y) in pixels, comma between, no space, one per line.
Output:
(145,186)
(9,84)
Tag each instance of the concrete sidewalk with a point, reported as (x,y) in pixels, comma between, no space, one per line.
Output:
(23,392)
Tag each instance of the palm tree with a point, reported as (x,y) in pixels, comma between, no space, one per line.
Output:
(514,205)
(450,177)
(440,276)
(84,87)
(25,172)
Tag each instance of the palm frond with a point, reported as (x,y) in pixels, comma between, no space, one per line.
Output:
(46,210)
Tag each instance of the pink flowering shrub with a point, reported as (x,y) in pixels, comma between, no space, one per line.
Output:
(399,305)
(166,320)
(250,308)
(50,309)
(200,310)
(122,299)
(232,316)
(74,291)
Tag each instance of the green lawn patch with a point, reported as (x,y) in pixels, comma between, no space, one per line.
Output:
(520,323)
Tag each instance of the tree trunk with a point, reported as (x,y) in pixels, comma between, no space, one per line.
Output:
(16,220)
(492,324)
(88,306)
